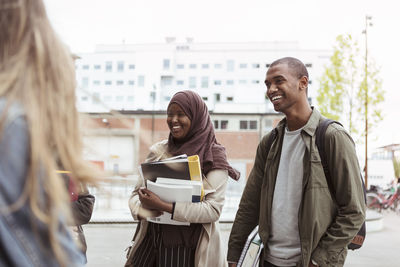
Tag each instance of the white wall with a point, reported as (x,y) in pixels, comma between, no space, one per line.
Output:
(117,152)
(380,172)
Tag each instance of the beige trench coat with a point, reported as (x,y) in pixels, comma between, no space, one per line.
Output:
(209,251)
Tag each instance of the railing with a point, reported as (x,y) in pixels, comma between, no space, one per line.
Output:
(112,195)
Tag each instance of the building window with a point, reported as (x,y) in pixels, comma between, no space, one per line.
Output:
(85,67)
(119,98)
(153,96)
(130,98)
(192,82)
(217,97)
(166,63)
(229,82)
(256,66)
(96,98)
(308,65)
(253,125)
(108,82)
(216,124)
(243,125)
(310,82)
(242,81)
(131,66)
(107,98)
(108,66)
(85,82)
(180,66)
(205,66)
(84,98)
(204,82)
(141,81)
(229,98)
(167,98)
(255,81)
(217,82)
(96,82)
(205,98)
(230,65)
(131,82)
(97,67)
(267,65)
(120,66)
(224,125)
(120,82)
(267,124)
(166,80)
(192,66)
(243,66)
(217,66)
(179,82)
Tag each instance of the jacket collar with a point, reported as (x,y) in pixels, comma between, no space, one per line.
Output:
(310,126)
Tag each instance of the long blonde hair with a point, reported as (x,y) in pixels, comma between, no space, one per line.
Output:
(37,72)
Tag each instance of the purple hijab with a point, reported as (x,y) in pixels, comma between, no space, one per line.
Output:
(200,139)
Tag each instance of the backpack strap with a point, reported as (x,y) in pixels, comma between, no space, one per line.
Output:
(320,142)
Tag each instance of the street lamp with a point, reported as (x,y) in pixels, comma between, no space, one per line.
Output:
(153,97)
(367,23)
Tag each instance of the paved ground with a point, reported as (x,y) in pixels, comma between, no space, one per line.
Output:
(107,242)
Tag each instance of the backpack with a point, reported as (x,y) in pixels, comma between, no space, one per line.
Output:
(358,240)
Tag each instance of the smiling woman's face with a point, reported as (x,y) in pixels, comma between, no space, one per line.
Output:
(178,122)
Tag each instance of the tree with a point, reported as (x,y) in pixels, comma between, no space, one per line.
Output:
(396,166)
(341,95)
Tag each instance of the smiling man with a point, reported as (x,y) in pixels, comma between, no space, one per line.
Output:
(301,223)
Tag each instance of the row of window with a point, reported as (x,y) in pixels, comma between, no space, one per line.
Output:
(204,82)
(217,98)
(108,98)
(140,80)
(243,124)
(108,66)
(230,66)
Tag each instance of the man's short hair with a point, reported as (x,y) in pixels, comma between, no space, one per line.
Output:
(295,65)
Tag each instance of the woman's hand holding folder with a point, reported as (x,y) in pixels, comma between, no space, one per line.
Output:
(151,201)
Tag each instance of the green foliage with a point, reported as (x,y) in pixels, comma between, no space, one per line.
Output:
(341,95)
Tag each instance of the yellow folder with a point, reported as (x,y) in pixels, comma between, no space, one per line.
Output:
(195,171)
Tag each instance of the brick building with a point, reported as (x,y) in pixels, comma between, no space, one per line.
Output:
(121,141)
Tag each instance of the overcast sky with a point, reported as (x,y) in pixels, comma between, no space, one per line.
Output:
(313,23)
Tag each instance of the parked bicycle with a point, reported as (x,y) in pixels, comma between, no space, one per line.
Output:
(378,199)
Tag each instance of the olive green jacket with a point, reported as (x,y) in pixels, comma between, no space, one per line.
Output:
(326,224)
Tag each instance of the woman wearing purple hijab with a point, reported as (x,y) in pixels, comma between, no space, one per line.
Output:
(199,244)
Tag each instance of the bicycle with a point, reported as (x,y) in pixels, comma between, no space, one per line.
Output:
(378,201)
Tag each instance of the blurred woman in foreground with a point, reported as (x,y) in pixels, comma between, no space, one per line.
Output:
(38,133)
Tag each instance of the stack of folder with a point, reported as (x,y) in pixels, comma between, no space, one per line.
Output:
(176,179)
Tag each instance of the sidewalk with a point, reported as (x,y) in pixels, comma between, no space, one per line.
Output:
(107,242)
(380,248)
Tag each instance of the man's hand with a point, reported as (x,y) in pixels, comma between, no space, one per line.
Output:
(232,264)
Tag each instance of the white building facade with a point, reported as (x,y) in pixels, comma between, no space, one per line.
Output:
(229,76)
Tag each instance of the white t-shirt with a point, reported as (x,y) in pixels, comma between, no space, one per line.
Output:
(284,241)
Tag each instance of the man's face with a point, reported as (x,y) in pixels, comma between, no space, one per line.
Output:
(283,87)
